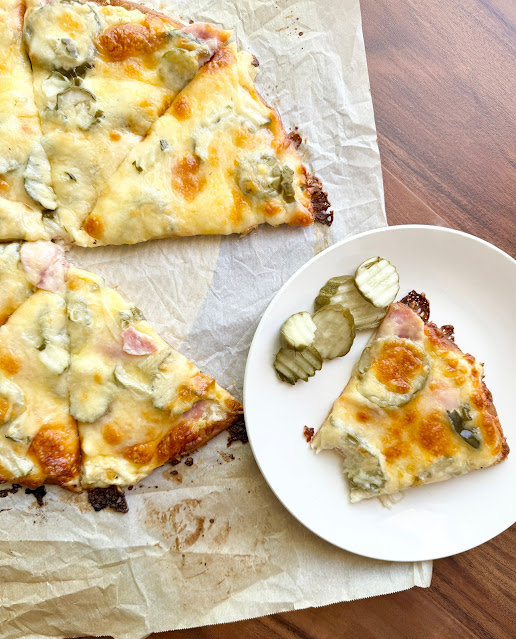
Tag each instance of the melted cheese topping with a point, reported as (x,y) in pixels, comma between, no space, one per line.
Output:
(217,162)
(38,438)
(448,426)
(13,282)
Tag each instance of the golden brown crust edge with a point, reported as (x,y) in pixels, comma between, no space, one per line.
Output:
(234,411)
(437,337)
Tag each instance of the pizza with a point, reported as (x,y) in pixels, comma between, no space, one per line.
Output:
(21,154)
(90,395)
(103,72)
(217,162)
(138,401)
(415,411)
(82,82)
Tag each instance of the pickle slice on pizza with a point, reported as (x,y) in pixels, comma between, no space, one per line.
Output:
(103,73)
(39,442)
(25,189)
(415,411)
(138,401)
(217,162)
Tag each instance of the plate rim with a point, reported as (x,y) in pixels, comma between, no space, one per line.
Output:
(333,247)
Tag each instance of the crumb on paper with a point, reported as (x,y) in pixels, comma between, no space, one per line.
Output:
(38,493)
(9,491)
(237,432)
(111,497)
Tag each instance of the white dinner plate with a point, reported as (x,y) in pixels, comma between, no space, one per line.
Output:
(470,284)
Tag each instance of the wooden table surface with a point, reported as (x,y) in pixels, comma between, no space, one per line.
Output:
(443,80)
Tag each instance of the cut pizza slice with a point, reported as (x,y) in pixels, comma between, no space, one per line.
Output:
(415,411)
(103,72)
(138,401)
(25,189)
(217,162)
(39,442)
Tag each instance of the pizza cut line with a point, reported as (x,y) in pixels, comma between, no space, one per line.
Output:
(101,77)
(416,410)
(90,395)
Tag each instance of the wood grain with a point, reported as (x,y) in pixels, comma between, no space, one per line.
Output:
(443,80)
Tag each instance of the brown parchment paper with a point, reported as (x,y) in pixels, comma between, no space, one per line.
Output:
(210,543)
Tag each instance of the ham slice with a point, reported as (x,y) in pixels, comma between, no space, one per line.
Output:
(209,35)
(197,410)
(401,322)
(136,343)
(44,264)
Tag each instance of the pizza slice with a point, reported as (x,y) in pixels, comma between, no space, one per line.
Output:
(218,162)
(39,442)
(415,411)
(103,73)
(138,401)
(24,172)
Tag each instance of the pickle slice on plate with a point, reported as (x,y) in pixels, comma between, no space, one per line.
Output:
(292,365)
(335,331)
(298,331)
(342,290)
(378,281)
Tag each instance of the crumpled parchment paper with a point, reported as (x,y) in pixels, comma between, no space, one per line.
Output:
(210,543)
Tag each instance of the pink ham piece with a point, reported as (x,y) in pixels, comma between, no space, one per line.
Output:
(401,322)
(136,343)
(197,410)
(210,36)
(45,265)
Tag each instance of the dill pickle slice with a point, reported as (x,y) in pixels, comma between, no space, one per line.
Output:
(335,332)
(292,365)
(298,331)
(378,281)
(342,290)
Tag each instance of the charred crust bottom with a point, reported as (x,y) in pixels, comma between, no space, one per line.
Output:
(255,62)
(448,331)
(237,432)
(111,497)
(9,491)
(39,493)
(295,138)
(418,303)
(319,199)
(308,433)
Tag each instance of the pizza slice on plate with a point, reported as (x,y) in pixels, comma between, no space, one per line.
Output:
(39,442)
(21,154)
(415,411)
(217,162)
(103,73)
(138,401)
